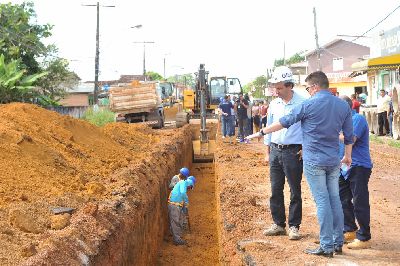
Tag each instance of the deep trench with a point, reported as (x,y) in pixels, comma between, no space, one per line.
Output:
(202,237)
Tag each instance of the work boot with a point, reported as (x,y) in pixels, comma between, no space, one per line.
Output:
(319,252)
(275,230)
(294,233)
(358,244)
(179,242)
(349,236)
(338,250)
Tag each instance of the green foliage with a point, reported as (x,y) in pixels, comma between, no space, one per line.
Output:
(20,38)
(256,87)
(15,85)
(187,79)
(296,58)
(99,117)
(154,75)
(394,143)
(54,85)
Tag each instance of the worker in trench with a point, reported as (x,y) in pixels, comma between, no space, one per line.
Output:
(183,174)
(178,204)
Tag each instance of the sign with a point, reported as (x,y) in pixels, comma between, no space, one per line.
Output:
(390,42)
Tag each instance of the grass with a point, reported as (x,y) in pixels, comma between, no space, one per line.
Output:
(379,140)
(99,117)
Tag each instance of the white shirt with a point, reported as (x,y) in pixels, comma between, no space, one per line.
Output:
(383,103)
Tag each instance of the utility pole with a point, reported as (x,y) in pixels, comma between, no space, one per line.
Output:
(144,58)
(284,53)
(96,59)
(316,39)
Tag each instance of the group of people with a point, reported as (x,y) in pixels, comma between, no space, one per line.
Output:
(241,112)
(178,204)
(324,138)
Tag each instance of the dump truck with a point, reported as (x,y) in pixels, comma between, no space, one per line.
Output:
(138,102)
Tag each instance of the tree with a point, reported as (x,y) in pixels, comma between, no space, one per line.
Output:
(154,75)
(296,58)
(256,87)
(15,84)
(54,85)
(21,42)
(20,39)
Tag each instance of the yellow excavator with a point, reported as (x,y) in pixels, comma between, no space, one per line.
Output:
(198,108)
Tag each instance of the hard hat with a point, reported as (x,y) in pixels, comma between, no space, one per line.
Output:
(189,183)
(193,179)
(184,171)
(281,73)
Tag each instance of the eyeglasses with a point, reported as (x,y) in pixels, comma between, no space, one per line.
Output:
(308,88)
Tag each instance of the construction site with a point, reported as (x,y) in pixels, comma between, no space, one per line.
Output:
(72,193)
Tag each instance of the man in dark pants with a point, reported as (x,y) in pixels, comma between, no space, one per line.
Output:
(383,106)
(283,155)
(241,106)
(353,186)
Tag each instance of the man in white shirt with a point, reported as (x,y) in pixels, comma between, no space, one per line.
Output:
(383,107)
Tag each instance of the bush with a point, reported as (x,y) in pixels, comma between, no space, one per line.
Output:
(99,117)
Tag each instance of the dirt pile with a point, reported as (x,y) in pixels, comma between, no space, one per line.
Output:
(49,161)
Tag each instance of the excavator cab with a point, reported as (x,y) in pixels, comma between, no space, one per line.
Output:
(221,86)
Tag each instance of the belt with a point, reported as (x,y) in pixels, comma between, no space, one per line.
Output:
(283,146)
(175,203)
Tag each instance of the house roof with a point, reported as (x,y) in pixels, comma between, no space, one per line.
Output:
(325,46)
(82,88)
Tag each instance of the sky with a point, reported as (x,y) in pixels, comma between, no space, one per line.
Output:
(231,37)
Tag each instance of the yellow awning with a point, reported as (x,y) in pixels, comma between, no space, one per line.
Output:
(347,84)
(385,62)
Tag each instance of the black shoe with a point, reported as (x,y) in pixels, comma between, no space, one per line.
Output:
(319,252)
(338,251)
(179,242)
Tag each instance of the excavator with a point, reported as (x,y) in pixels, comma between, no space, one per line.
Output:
(200,105)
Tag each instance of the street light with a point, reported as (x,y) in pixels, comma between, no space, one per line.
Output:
(96,60)
(165,77)
(144,58)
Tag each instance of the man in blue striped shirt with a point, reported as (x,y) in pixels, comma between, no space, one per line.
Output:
(284,157)
(322,117)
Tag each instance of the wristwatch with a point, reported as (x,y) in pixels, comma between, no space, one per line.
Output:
(262,132)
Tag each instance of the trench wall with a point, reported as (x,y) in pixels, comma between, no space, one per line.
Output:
(130,231)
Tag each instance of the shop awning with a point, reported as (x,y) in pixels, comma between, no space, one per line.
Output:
(385,62)
(359,68)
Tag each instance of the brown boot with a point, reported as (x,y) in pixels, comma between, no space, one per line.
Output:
(358,244)
(349,236)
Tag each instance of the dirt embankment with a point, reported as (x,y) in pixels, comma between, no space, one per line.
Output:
(105,175)
(243,182)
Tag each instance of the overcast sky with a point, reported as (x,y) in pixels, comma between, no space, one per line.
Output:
(231,37)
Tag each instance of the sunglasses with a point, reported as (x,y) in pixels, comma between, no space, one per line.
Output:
(308,88)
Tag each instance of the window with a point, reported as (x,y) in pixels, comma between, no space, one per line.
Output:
(338,64)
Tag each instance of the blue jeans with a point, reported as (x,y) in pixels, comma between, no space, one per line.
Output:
(226,125)
(324,185)
(354,195)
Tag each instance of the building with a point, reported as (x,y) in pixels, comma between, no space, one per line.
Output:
(81,95)
(336,59)
(383,66)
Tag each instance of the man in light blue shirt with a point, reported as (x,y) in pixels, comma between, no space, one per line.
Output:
(284,157)
(322,117)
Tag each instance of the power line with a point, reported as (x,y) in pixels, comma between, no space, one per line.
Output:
(362,35)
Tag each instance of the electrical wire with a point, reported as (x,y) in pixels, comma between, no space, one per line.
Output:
(377,24)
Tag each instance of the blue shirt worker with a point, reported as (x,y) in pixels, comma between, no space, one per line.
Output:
(177,200)
(225,108)
(353,186)
(323,117)
(284,157)
(183,174)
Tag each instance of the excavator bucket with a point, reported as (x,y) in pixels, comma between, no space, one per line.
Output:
(203,151)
